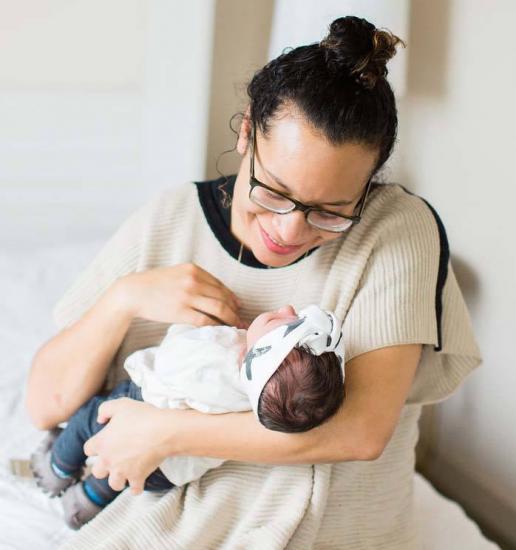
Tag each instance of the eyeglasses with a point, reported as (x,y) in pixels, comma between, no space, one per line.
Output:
(277,202)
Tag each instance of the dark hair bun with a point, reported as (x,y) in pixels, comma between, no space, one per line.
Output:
(357,48)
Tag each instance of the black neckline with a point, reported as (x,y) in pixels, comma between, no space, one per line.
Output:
(215,199)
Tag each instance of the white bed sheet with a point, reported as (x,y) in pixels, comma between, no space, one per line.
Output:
(30,284)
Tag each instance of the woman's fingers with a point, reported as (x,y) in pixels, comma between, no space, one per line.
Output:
(166,294)
(99,470)
(116,481)
(209,279)
(136,488)
(221,292)
(217,311)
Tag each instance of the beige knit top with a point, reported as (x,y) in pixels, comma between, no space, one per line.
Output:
(390,280)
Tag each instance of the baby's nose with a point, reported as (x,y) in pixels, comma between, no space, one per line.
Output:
(287,310)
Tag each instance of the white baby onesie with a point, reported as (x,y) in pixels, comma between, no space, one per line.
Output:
(193,367)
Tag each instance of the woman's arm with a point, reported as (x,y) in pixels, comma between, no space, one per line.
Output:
(71,367)
(377,385)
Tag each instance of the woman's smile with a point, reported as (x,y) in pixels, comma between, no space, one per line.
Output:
(274,246)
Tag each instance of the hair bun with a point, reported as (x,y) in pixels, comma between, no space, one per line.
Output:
(358,48)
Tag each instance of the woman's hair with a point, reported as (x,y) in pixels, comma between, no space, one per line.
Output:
(338,84)
(304,391)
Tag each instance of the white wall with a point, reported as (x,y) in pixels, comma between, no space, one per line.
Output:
(299,22)
(240,45)
(248,34)
(92,94)
(457,145)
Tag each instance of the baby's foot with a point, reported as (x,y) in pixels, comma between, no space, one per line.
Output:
(44,474)
(78,508)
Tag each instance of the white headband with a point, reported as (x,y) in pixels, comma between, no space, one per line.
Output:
(315,328)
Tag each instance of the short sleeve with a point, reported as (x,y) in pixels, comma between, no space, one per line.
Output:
(116,258)
(408,294)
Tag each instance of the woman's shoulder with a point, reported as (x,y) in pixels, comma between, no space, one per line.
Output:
(167,214)
(171,199)
(396,255)
(398,287)
(397,219)
(392,203)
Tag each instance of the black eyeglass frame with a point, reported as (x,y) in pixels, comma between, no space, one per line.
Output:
(253,182)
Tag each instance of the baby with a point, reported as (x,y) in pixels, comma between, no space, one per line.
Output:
(287,368)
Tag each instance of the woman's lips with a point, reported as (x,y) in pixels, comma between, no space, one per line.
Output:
(275,247)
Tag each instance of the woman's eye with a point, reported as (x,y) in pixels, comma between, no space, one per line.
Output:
(326,215)
(274,198)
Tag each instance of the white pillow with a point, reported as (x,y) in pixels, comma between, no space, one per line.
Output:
(32,281)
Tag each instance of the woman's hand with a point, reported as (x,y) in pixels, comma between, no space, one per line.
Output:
(184,293)
(131,446)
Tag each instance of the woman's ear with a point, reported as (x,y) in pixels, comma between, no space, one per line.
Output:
(244,133)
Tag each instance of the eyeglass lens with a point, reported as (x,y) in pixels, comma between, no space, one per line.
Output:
(276,203)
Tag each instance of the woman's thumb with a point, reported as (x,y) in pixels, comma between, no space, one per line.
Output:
(105,412)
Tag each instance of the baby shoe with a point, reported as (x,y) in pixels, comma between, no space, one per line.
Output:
(43,472)
(78,508)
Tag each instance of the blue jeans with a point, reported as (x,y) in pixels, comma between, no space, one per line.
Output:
(68,454)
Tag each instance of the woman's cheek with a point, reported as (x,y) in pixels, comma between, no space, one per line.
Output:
(254,210)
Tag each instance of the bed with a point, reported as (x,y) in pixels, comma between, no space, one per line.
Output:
(31,283)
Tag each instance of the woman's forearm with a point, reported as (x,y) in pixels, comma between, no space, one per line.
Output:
(239,436)
(71,367)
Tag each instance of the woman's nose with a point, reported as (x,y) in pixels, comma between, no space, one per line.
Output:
(291,228)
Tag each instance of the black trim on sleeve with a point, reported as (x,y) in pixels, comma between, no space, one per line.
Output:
(444,259)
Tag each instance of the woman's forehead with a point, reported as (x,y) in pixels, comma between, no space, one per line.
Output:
(305,164)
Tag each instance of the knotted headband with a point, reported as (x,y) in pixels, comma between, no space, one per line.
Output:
(318,330)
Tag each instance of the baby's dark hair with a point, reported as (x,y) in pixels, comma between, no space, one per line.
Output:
(303,393)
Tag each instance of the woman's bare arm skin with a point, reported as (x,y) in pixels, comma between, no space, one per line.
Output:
(377,385)
(71,367)
(139,436)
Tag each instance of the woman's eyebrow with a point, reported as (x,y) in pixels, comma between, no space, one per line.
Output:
(279,182)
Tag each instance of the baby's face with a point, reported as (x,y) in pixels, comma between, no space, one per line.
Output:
(268,321)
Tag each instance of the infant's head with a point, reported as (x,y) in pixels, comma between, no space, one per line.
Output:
(305,390)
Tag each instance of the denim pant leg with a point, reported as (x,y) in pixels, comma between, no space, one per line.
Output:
(157,481)
(67,451)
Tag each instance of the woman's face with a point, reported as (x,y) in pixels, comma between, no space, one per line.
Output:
(311,170)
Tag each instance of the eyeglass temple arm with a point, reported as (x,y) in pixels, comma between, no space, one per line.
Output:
(364,196)
(362,200)
(253,141)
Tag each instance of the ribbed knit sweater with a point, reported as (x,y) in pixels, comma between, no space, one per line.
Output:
(391,281)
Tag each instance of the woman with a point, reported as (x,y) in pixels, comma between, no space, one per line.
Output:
(305,224)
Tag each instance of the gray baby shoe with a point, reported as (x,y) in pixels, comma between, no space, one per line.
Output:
(78,508)
(43,472)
